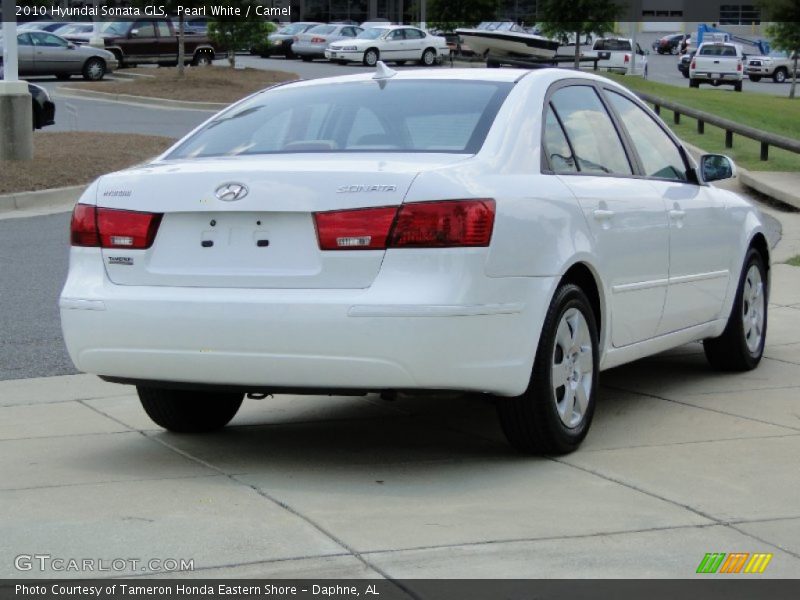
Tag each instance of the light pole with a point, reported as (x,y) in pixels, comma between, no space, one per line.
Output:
(16,118)
(96,39)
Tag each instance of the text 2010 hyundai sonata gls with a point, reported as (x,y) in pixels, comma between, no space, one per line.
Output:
(500,231)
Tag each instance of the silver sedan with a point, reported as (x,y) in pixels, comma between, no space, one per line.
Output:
(43,53)
(312,43)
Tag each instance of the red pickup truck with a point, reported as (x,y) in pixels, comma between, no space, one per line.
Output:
(150,40)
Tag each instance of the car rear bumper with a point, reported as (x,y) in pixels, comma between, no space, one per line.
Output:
(355,55)
(397,334)
(316,51)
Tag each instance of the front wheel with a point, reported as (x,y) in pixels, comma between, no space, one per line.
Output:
(779,76)
(371,57)
(741,345)
(94,69)
(184,411)
(555,412)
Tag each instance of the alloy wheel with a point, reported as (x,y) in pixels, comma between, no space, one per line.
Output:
(572,368)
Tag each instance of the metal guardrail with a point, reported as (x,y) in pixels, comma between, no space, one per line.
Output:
(731,127)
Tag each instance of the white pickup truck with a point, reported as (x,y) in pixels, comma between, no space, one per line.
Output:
(621,56)
(717,63)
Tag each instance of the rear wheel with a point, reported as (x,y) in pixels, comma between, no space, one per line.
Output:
(755,78)
(738,86)
(428,58)
(371,57)
(306,58)
(188,412)
(741,345)
(779,76)
(202,57)
(94,69)
(555,412)
(693,83)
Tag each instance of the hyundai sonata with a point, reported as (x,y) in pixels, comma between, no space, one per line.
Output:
(499,231)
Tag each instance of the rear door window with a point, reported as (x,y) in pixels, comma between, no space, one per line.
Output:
(595,142)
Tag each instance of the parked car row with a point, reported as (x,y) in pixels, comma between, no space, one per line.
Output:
(345,42)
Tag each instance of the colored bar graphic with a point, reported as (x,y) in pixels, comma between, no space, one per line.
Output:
(716,562)
(711,562)
(758,563)
(734,562)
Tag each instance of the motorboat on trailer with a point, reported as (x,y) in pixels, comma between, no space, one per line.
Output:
(506,38)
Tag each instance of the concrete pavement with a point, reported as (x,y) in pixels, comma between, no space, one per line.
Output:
(680,461)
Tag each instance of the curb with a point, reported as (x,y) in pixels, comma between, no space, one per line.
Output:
(121,74)
(765,188)
(50,199)
(142,100)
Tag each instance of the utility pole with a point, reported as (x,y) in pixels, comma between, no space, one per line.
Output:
(16,118)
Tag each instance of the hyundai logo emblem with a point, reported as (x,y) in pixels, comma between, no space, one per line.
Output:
(229,192)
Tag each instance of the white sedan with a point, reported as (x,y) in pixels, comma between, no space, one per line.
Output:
(512,235)
(394,43)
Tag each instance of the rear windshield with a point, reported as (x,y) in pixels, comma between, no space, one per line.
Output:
(718,51)
(613,45)
(365,116)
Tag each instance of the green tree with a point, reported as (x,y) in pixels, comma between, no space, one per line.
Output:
(238,33)
(560,19)
(449,14)
(784,31)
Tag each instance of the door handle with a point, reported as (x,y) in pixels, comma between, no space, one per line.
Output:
(603,215)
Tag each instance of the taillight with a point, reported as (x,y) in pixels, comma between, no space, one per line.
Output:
(627,58)
(360,229)
(739,67)
(694,64)
(317,40)
(83,227)
(113,228)
(444,224)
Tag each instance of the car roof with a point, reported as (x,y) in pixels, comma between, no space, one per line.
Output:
(546,76)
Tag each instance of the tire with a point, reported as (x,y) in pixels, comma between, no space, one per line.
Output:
(685,74)
(693,83)
(780,75)
(94,69)
(306,58)
(371,57)
(202,57)
(428,58)
(754,78)
(63,76)
(540,421)
(188,412)
(741,345)
(737,86)
(674,50)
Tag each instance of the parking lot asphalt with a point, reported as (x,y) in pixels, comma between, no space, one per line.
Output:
(680,461)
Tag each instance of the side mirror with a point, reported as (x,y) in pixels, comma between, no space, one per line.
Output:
(715,167)
(134,33)
(71,46)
